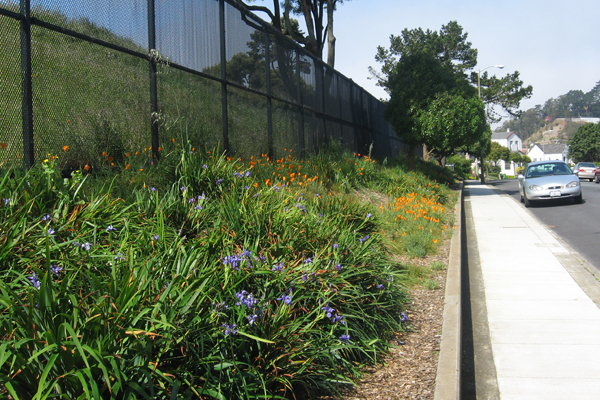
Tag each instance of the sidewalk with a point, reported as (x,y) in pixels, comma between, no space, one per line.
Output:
(544,329)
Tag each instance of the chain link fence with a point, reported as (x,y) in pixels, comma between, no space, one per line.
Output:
(98,81)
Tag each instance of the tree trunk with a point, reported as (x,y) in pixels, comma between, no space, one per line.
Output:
(330,36)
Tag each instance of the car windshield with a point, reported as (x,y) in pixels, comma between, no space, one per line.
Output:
(547,169)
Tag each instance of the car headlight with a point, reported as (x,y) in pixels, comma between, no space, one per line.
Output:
(573,184)
(535,187)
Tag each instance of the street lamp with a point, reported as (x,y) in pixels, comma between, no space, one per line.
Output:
(479,92)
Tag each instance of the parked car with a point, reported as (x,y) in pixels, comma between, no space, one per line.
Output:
(585,170)
(549,180)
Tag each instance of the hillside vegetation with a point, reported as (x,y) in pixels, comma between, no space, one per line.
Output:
(573,104)
(209,277)
(558,131)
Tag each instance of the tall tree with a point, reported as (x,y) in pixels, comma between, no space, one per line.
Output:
(506,92)
(451,47)
(318,18)
(414,82)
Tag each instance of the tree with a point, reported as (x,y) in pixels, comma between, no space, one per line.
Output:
(318,17)
(506,92)
(451,122)
(585,143)
(519,159)
(415,81)
(498,152)
(451,48)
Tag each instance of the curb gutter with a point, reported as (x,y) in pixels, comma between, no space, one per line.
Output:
(447,381)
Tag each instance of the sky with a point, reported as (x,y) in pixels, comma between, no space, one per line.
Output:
(554,44)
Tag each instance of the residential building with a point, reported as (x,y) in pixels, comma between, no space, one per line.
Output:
(514,143)
(543,152)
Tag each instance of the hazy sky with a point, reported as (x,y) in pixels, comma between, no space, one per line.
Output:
(554,44)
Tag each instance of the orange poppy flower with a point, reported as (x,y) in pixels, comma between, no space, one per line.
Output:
(87,167)
(65,148)
(3,145)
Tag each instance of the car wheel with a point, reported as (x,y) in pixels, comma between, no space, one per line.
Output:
(528,203)
(579,199)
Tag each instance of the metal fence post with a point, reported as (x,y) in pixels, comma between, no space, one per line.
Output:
(301,140)
(269,95)
(153,85)
(26,84)
(224,112)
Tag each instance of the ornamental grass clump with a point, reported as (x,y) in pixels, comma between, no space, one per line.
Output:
(221,284)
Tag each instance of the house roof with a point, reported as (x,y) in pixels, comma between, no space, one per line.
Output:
(503,135)
(553,148)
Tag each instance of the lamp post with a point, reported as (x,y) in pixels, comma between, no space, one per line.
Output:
(479,92)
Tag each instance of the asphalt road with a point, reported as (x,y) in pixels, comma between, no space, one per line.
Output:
(576,224)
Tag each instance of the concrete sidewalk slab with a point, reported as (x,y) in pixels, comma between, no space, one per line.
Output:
(544,329)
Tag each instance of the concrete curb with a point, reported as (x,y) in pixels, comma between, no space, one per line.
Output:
(447,381)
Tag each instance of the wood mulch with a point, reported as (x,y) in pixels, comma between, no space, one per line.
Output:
(409,370)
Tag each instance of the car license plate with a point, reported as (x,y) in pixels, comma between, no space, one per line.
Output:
(555,193)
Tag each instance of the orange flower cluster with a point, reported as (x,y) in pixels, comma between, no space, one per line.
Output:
(413,207)
(286,171)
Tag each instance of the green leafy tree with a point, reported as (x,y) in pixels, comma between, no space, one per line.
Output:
(585,144)
(519,159)
(451,48)
(498,152)
(506,92)
(462,165)
(451,122)
(416,80)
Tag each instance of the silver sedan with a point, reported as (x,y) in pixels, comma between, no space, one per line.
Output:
(585,170)
(549,180)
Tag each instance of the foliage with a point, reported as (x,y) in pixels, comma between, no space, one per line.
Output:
(449,46)
(499,152)
(462,165)
(414,83)
(506,92)
(451,122)
(585,144)
(519,158)
(573,104)
(210,277)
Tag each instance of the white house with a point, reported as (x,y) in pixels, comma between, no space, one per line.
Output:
(514,143)
(543,152)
